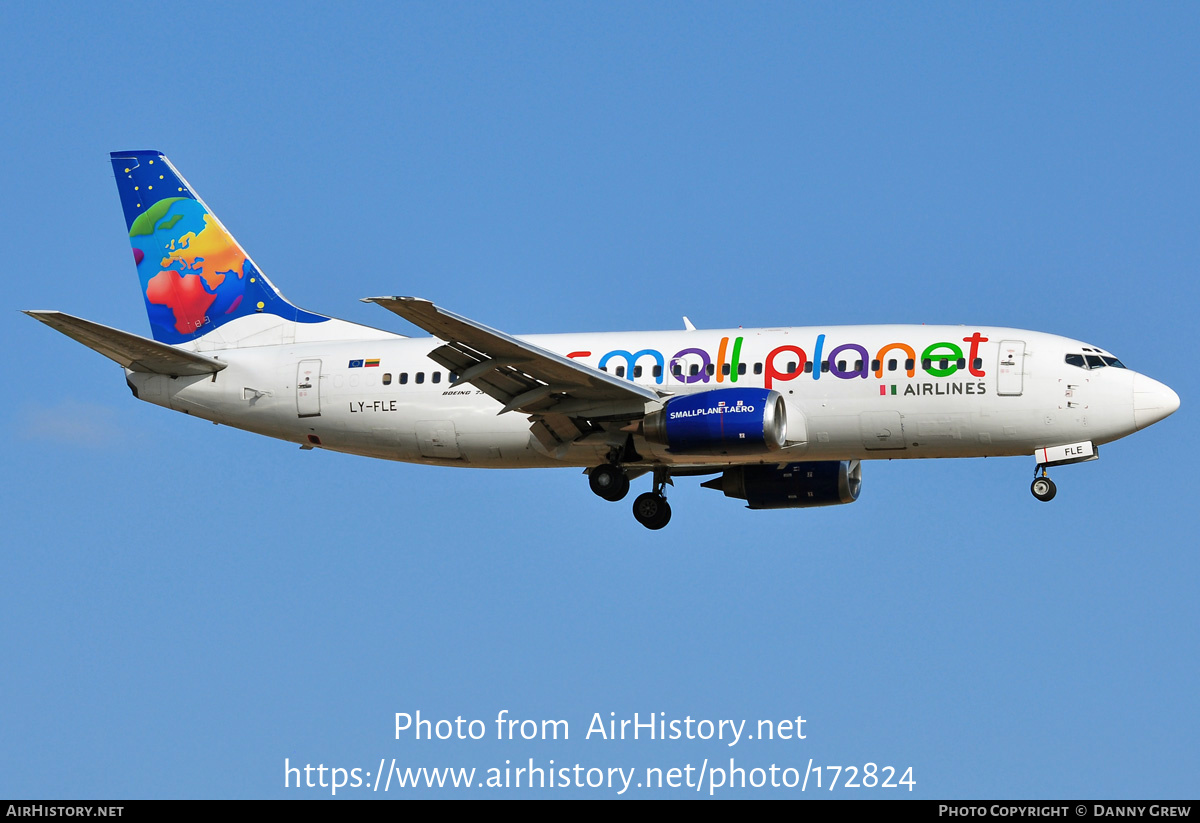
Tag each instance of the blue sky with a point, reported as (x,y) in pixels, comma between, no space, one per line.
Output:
(188,605)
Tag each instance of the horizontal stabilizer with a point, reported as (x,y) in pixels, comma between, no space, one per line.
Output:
(130,350)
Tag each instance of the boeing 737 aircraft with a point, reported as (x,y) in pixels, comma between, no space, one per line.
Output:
(782,417)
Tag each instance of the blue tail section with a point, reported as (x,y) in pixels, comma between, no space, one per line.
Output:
(194,274)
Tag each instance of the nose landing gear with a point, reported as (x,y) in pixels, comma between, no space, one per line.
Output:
(1043,487)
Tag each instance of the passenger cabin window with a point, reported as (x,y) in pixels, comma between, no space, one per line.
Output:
(437,377)
(910,364)
(741,368)
(725,369)
(620,371)
(710,369)
(694,370)
(403,377)
(874,365)
(387,378)
(791,369)
(758,368)
(420,377)
(808,367)
(637,371)
(842,366)
(978,363)
(656,371)
(825,367)
(892,364)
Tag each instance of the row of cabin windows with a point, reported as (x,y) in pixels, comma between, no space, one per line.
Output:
(792,367)
(711,369)
(418,377)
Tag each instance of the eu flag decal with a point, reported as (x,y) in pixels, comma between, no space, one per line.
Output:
(355,364)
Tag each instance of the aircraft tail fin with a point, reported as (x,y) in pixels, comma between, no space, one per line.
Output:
(195,276)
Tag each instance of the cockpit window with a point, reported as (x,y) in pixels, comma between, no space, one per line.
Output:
(1093,361)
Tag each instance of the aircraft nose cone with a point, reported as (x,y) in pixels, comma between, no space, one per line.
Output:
(1152,401)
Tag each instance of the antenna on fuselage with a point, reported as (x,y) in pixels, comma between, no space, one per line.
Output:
(687,324)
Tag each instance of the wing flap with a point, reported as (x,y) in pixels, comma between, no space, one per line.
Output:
(129,350)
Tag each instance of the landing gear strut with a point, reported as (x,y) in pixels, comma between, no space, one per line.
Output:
(651,509)
(609,481)
(1043,487)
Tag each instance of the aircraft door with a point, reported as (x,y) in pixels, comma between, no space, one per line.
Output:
(308,388)
(437,438)
(1010,368)
(882,430)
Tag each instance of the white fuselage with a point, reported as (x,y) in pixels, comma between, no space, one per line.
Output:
(872,392)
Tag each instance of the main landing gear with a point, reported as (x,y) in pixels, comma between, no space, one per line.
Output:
(1043,487)
(609,481)
(651,509)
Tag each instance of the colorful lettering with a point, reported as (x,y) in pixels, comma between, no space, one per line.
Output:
(632,358)
(701,376)
(860,370)
(912,358)
(729,356)
(773,374)
(974,340)
(931,354)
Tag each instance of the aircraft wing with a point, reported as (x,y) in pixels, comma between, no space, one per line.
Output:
(129,350)
(524,377)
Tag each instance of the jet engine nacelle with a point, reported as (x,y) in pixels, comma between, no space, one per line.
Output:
(795,486)
(721,421)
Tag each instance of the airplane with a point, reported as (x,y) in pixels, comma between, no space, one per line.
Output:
(783,417)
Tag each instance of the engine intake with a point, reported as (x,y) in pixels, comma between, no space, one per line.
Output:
(721,421)
(795,486)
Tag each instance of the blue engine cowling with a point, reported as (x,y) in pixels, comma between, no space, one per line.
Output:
(721,421)
(795,486)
